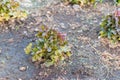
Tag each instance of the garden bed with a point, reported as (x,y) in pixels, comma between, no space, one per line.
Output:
(82,28)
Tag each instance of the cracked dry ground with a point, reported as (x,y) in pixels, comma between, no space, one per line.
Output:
(90,54)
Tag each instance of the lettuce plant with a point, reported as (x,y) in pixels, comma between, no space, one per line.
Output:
(110,27)
(84,2)
(50,47)
(88,2)
(9,9)
(117,2)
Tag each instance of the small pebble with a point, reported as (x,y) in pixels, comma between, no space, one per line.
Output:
(22,68)
(36,29)
(19,79)
(62,25)
(25,33)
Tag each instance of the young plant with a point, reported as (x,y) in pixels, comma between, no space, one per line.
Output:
(9,9)
(50,47)
(83,2)
(110,27)
(117,2)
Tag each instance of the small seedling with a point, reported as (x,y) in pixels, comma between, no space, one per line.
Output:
(9,9)
(50,48)
(110,27)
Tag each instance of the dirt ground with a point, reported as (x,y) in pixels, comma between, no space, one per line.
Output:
(93,58)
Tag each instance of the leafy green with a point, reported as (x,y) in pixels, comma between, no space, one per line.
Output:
(9,9)
(88,2)
(109,28)
(83,2)
(50,47)
(117,2)
(28,48)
